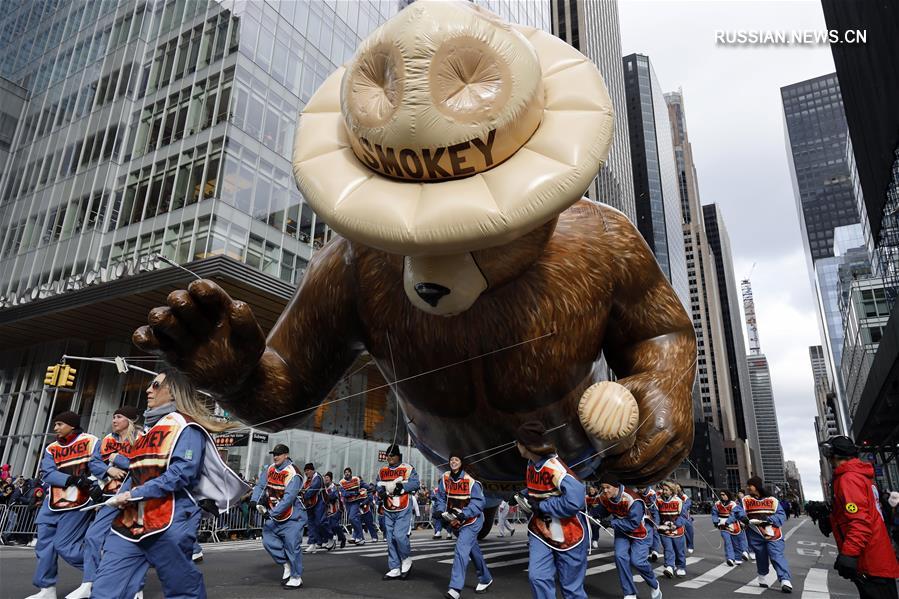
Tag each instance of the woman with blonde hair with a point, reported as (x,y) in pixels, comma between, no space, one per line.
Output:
(174,465)
(110,458)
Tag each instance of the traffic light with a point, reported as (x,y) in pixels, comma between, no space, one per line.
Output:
(52,375)
(66,376)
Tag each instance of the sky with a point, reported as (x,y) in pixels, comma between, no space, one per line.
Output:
(735,124)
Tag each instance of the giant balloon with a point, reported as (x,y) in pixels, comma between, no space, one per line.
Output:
(451,155)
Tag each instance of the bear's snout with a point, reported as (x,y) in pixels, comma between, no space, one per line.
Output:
(431,292)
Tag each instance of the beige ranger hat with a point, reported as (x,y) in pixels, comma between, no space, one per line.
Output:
(451,131)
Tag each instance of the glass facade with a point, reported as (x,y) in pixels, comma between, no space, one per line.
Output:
(816,131)
(160,127)
(592,28)
(766,418)
(656,182)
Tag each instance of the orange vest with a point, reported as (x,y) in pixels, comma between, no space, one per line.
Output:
(311,503)
(352,485)
(108,446)
(622,509)
(333,505)
(71,459)
(150,455)
(592,501)
(560,534)
(275,484)
(760,509)
(388,474)
(724,513)
(669,511)
(365,506)
(458,493)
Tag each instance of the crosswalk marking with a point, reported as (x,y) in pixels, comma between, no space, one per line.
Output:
(815,586)
(522,549)
(709,577)
(658,571)
(754,589)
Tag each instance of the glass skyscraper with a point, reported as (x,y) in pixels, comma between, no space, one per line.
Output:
(158,127)
(656,182)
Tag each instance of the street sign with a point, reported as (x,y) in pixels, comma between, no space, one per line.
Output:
(226,440)
(260,438)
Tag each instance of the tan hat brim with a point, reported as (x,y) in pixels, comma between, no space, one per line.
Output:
(548,174)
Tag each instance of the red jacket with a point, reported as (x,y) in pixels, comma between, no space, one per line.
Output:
(857,524)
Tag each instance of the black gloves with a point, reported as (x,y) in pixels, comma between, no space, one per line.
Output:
(96,494)
(382,494)
(208,506)
(252,505)
(846,566)
(824,526)
(534,503)
(83,482)
(398,489)
(71,481)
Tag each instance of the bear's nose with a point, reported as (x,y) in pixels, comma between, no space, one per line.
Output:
(431,292)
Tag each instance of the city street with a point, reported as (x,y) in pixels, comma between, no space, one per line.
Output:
(242,569)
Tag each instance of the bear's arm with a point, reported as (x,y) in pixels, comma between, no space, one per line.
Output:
(310,347)
(651,347)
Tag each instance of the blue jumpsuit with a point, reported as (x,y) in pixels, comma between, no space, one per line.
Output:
(283,540)
(467,544)
(649,500)
(124,563)
(688,525)
(435,514)
(312,492)
(58,533)
(99,528)
(674,544)
(398,521)
(352,501)
(544,561)
(630,551)
(733,543)
(332,518)
(368,518)
(772,550)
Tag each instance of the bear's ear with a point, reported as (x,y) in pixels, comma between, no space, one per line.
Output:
(501,264)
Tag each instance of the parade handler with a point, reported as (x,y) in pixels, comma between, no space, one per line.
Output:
(61,525)
(451,155)
(276,497)
(557,528)
(725,520)
(395,482)
(763,516)
(173,466)
(460,502)
(352,489)
(866,555)
(672,524)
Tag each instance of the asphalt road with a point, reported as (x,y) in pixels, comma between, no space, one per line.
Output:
(242,569)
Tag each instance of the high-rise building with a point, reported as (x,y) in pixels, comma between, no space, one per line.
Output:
(815,127)
(869,85)
(12,100)
(713,402)
(656,183)
(729,298)
(793,490)
(825,403)
(770,448)
(162,128)
(592,28)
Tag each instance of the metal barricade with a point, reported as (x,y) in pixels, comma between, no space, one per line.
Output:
(17,523)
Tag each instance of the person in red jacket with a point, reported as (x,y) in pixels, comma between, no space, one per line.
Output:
(866,556)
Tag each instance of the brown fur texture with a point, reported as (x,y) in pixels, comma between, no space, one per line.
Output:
(595,286)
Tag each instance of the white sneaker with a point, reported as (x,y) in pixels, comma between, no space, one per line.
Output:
(331,545)
(294,582)
(760,579)
(437,535)
(746,555)
(197,557)
(46,593)
(392,575)
(680,573)
(689,551)
(482,587)
(595,544)
(738,562)
(656,593)
(405,567)
(630,597)
(82,592)
(310,549)
(139,595)
(654,556)
(730,562)
(786,586)
(360,542)
(286,574)
(668,572)
(752,556)
(452,594)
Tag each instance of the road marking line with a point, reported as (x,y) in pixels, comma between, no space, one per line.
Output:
(709,577)
(815,585)
(752,588)
(494,554)
(659,571)
(794,529)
